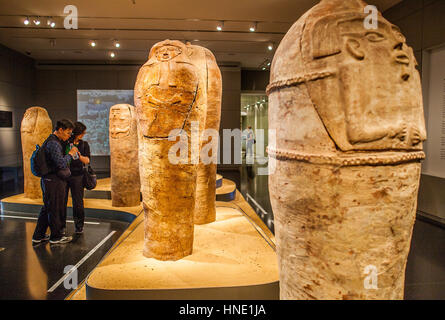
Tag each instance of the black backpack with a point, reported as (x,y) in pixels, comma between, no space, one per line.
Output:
(39,166)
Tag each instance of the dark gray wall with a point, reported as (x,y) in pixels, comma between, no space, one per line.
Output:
(253,80)
(423,24)
(16,94)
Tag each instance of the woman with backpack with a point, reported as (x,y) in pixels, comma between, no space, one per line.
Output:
(75,181)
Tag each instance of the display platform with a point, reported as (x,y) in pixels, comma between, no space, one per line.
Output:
(230,260)
(233,258)
(225,189)
(219,180)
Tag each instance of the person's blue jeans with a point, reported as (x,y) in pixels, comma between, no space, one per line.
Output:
(249,148)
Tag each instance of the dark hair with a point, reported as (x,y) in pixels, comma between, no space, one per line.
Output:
(79,128)
(64,124)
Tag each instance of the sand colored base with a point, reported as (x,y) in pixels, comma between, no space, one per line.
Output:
(228,252)
(239,202)
(228,186)
(103,184)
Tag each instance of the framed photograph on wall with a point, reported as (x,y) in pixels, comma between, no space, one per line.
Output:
(6,119)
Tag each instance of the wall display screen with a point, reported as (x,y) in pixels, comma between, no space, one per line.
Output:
(5,119)
(434,164)
(93,107)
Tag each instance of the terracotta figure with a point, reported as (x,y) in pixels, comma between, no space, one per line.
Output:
(125,182)
(346,104)
(35,128)
(167,99)
(209,118)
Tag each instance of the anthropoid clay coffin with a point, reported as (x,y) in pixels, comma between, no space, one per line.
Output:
(168,96)
(35,128)
(125,182)
(209,118)
(346,104)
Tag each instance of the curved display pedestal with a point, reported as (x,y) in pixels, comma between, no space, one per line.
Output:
(230,260)
(225,190)
(94,208)
(219,181)
(259,292)
(234,257)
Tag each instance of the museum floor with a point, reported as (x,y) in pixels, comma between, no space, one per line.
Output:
(23,267)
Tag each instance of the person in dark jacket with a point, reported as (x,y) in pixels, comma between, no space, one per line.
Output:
(53,185)
(75,181)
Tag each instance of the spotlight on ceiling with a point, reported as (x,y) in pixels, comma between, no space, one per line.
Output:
(117,44)
(268,64)
(264,68)
(93,43)
(36,21)
(51,23)
(270,47)
(26,22)
(112,55)
(253,27)
(220,26)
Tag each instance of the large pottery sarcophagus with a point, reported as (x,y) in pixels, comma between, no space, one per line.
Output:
(125,182)
(346,104)
(167,99)
(209,121)
(35,128)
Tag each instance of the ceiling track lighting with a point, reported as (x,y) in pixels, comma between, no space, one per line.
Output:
(253,27)
(265,65)
(270,46)
(93,43)
(220,26)
(37,20)
(112,55)
(117,44)
(51,23)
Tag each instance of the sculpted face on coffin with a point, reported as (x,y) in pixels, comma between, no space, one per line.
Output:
(346,104)
(120,122)
(363,83)
(29,121)
(172,85)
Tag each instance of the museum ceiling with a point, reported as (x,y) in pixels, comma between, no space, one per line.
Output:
(138,24)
